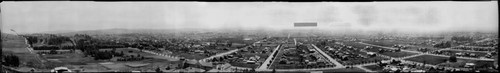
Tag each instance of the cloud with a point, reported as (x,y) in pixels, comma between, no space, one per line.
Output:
(418,16)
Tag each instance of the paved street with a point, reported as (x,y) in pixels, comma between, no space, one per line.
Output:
(337,64)
(264,66)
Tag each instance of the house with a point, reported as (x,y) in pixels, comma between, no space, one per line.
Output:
(60,69)
(459,54)
(199,51)
(469,65)
(385,62)
(250,62)
(371,54)
(254,58)
(311,50)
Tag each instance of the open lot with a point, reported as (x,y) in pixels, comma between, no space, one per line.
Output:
(78,60)
(442,61)
(388,43)
(472,52)
(391,54)
(135,51)
(374,67)
(15,46)
(429,59)
(415,47)
(355,69)
(198,56)
(461,63)
(398,54)
(148,65)
(18,47)
(376,49)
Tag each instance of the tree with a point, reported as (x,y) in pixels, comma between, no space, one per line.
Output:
(11,60)
(121,53)
(158,70)
(168,68)
(453,59)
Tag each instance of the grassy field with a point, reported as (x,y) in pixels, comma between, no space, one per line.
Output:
(388,43)
(355,45)
(398,54)
(152,64)
(355,69)
(366,60)
(477,53)
(415,47)
(429,59)
(242,64)
(374,67)
(461,63)
(78,61)
(392,54)
(134,51)
(15,46)
(199,56)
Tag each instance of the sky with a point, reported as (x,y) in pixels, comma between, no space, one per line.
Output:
(34,17)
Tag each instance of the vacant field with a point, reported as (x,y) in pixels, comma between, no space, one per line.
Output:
(415,47)
(355,45)
(388,53)
(429,59)
(199,56)
(477,53)
(134,51)
(355,69)
(398,54)
(366,60)
(152,64)
(242,64)
(374,67)
(15,46)
(461,63)
(20,43)
(18,47)
(78,60)
(388,43)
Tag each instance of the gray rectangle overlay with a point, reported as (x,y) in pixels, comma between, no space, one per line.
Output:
(305,24)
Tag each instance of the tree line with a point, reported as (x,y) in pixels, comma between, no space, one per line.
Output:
(10,60)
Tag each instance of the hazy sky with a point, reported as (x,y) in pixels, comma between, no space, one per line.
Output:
(30,17)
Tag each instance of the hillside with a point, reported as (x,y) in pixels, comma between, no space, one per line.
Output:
(6,36)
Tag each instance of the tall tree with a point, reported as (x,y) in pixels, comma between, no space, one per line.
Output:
(453,58)
(158,70)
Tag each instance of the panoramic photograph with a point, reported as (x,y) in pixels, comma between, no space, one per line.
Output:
(249,37)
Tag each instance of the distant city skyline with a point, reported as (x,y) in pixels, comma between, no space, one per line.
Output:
(36,17)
